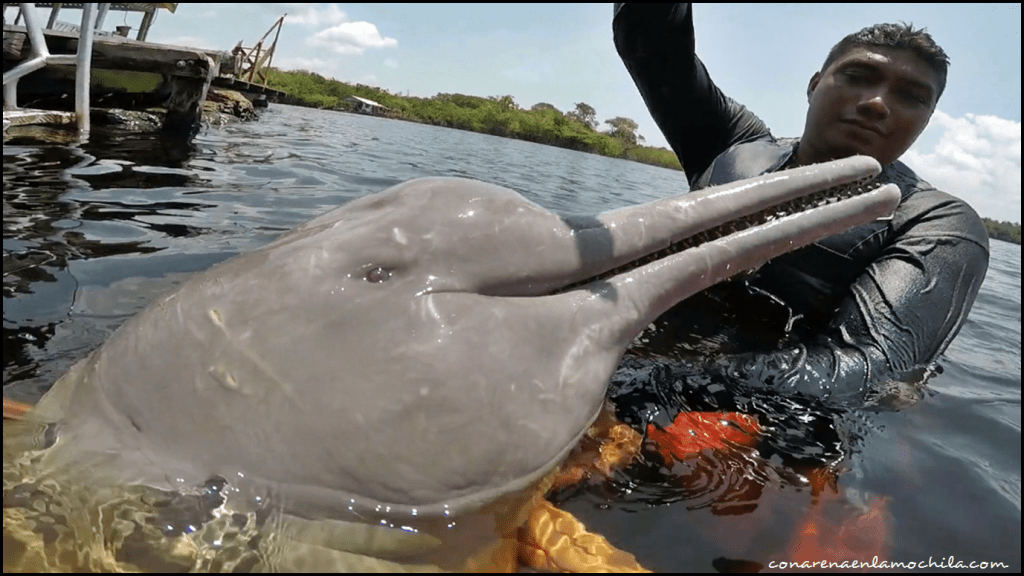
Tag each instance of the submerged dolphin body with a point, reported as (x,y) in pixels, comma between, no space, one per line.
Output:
(414,352)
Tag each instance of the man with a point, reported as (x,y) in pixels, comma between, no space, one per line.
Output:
(878,303)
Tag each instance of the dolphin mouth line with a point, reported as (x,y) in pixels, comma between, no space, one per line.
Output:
(832,195)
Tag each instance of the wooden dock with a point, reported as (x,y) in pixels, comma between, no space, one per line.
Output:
(181,75)
(110,70)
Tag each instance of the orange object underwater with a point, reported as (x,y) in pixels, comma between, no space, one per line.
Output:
(692,432)
(14,410)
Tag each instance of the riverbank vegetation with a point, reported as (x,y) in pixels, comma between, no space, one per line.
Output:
(497,115)
(1006,231)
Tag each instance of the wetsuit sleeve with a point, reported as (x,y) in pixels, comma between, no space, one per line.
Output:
(901,313)
(656,43)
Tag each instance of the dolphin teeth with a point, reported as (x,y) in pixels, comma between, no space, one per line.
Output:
(815,200)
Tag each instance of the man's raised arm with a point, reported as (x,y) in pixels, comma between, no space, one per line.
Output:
(656,43)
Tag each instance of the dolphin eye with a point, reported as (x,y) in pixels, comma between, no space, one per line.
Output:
(377,275)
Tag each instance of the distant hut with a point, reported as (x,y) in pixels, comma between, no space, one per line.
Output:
(364,106)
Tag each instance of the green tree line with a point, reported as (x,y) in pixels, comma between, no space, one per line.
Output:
(1006,231)
(496,115)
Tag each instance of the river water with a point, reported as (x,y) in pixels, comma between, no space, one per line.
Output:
(94,232)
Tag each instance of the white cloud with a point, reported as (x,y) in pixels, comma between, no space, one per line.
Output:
(974,157)
(336,33)
(310,16)
(350,38)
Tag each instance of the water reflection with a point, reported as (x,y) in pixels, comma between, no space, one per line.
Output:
(50,222)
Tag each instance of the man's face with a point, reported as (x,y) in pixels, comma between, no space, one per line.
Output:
(873,101)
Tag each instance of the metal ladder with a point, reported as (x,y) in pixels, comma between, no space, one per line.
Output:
(40,57)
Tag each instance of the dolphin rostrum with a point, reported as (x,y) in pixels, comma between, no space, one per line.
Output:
(420,351)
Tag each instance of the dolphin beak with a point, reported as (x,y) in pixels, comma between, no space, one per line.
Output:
(561,327)
(632,299)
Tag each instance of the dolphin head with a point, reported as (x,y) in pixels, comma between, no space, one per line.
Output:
(425,349)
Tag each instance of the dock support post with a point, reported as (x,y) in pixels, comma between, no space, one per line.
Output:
(185,104)
(83,68)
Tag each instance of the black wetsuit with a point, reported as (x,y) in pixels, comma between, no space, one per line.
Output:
(877,303)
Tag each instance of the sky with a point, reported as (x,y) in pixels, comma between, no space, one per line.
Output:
(760,55)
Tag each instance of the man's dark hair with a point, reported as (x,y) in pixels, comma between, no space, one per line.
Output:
(902,36)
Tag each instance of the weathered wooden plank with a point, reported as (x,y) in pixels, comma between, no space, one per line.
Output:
(116,52)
